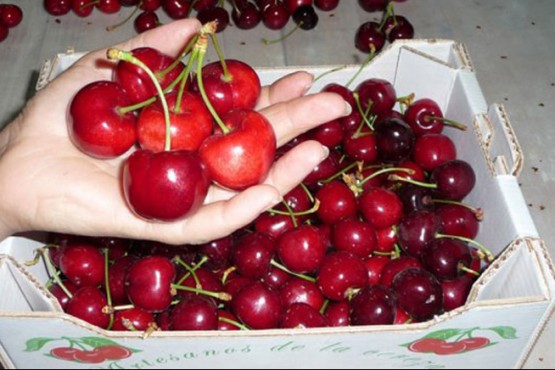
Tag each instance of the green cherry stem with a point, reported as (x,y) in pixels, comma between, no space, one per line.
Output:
(330,71)
(234,323)
(116,54)
(265,41)
(201,46)
(386,170)
(482,248)
(223,296)
(183,54)
(478,212)
(362,66)
(117,25)
(184,77)
(285,269)
(364,114)
(412,181)
(446,121)
(341,172)
(107,285)
(389,12)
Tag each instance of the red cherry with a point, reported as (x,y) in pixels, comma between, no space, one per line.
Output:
(341,274)
(108,6)
(87,304)
(420,116)
(417,231)
(199,5)
(60,294)
(433,150)
(380,207)
(275,16)
(330,134)
(83,265)
(454,179)
(302,250)
(456,291)
(326,5)
(378,94)
(276,278)
(176,9)
(293,5)
(447,258)
(64,353)
(188,127)
(337,202)
(297,290)
(398,27)
(252,255)
(246,16)
(11,15)
(426,345)
(361,146)
(373,5)
(149,283)
(224,318)
(218,252)
(82,8)
(375,265)
(419,293)
(133,319)
(196,313)
(354,236)
(107,133)
(146,21)
(150,5)
(396,266)
(117,273)
(386,238)
(57,7)
(215,13)
(374,305)
(164,186)
(369,37)
(300,315)
(458,220)
(242,157)
(338,314)
(113,352)
(475,343)
(257,306)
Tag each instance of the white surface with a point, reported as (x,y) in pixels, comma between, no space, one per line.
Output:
(510,42)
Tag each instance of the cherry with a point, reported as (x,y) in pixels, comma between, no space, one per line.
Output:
(369,37)
(190,123)
(150,5)
(57,7)
(112,352)
(398,27)
(246,16)
(375,266)
(83,265)
(133,319)
(218,252)
(10,15)
(326,5)
(417,231)
(426,345)
(386,238)
(252,255)
(328,167)
(274,225)
(447,258)
(455,292)
(176,9)
(415,198)
(293,5)
(243,156)
(64,353)
(300,315)
(108,6)
(338,314)
(146,21)
(276,278)
(215,13)
(117,273)
(297,290)
(82,8)
(394,140)
(345,93)
(341,274)
(107,133)
(450,348)
(361,146)
(419,293)
(305,17)
(302,250)
(433,150)
(373,5)
(380,207)
(60,294)
(454,179)
(396,266)
(374,305)
(87,304)
(227,320)
(330,134)
(459,220)
(164,186)
(425,116)
(257,306)
(148,283)
(129,2)
(337,202)
(402,318)
(354,236)
(377,94)
(137,82)
(204,281)
(275,16)
(196,313)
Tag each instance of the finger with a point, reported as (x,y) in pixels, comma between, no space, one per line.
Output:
(289,87)
(299,115)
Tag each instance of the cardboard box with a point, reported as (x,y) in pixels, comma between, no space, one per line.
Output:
(509,304)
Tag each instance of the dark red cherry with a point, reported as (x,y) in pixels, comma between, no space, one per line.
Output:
(83,265)
(246,16)
(419,293)
(60,294)
(252,255)
(302,250)
(421,116)
(447,258)
(275,16)
(87,304)
(337,202)
(380,207)
(459,220)
(133,319)
(373,5)
(394,140)
(297,290)
(258,306)
(433,150)
(146,21)
(374,305)
(397,265)
(341,274)
(454,179)
(216,13)
(338,314)
(398,27)
(218,252)
(195,313)
(177,9)
(300,315)
(378,94)
(417,231)
(354,236)
(57,7)
(456,291)
(369,37)
(326,5)
(305,17)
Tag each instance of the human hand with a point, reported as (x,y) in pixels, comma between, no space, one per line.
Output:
(47,184)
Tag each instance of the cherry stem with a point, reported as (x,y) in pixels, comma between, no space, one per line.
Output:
(184,77)
(228,272)
(364,114)
(386,170)
(210,29)
(324,306)
(190,271)
(223,296)
(117,25)
(333,70)
(341,172)
(116,54)
(405,101)
(109,309)
(308,193)
(362,66)
(45,252)
(478,212)
(275,41)
(447,122)
(468,270)
(91,3)
(412,181)
(481,247)
(183,54)
(234,323)
(285,269)
(389,12)
(201,46)
(293,214)
(107,284)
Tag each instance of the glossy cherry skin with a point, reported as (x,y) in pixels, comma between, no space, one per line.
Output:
(416,198)
(373,5)
(305,17)
(380,207)
(446,258)
(330,134)
(337,202)
(136,81)
(203,278)
(293,5)
(419,294)
(354,236)
(273,224)
(327,168)
(433,150)
(420,117)
(242,157)
(374,305)
(82,8)
(456,291)
(326,5)
(368,36)
(149,282)
(398,27)
(454,179)
(57,7)
(164,186)
(133,319)
(302,250)
(87,304)
(218,252)
(340,274)
(275,16)
(338,314)
(377,93)
(117,274)
(396,266)
(217,14)
(204,4)
(196,313)
(60,294)
(108,6)
(458,220)
(394,139)
(146,21)
(417,231)
(246,17)
(276,278)
(240,89)
(361,147)
(297,290)
(11,15)
(375,265)
(189,126)
(223,324)
(106,133)
(83,265)
(300,315)
(258,306)
(252,255)
(386,238)
(176,9)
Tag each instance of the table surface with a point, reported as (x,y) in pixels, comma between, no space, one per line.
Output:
(510,42)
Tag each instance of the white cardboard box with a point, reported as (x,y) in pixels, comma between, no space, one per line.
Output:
(509,304)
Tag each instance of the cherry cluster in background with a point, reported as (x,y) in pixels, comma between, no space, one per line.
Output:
(11,15)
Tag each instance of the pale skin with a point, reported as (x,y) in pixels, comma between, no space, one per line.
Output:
(47,184)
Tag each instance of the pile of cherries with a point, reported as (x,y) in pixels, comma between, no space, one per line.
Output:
(11,15)
(377,234)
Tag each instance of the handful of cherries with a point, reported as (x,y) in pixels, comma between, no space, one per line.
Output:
(377,234)
(11,15)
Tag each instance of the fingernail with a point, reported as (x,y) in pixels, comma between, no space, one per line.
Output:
(348,109)
(308,85)
(326,151)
